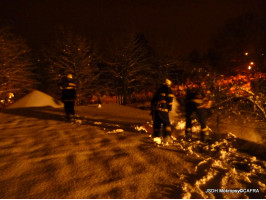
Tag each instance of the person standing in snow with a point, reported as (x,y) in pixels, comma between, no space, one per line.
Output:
(195,103)
(68,88)
(161,105)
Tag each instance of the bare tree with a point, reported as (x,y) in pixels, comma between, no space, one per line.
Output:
(132,68)
(15,65)
(72,53)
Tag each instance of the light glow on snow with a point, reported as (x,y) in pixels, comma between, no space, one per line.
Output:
(115,131)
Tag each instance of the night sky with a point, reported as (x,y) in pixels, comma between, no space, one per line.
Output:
(177,26)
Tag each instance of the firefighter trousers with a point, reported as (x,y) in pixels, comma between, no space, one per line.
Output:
(69,108)
(191,107)
(161,120)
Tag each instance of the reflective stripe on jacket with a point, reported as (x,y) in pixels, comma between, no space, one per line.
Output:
(162,99)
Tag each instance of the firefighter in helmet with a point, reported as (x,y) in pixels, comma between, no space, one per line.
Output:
(68,88)
(195,103)
(161,105)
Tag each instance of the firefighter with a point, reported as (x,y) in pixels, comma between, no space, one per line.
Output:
(195,103)
(161,104)
(68,88)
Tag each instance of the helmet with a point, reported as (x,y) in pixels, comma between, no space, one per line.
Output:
(70,76)
(10,95)
(168,82)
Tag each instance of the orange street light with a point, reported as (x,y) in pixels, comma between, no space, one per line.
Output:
(249,67)
(246,53)
(251,63)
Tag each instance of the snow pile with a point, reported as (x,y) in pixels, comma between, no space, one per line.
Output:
(222,170)
(37,99)
(141,128)
(145,128)
(180,125)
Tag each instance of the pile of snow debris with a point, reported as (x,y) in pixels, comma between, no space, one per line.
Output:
(222,171)
(146,128)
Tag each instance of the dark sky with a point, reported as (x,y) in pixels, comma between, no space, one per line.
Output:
(178,26)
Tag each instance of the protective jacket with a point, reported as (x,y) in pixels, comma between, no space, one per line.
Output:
(162,99)
(197,99)
(68,88)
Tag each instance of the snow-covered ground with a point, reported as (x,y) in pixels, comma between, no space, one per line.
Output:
(111,155)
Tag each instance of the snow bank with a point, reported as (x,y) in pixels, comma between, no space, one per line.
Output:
(37,99)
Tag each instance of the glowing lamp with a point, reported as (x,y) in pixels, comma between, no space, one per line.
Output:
(246,53)
(249,67)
